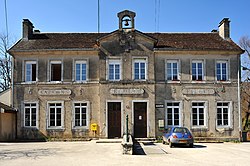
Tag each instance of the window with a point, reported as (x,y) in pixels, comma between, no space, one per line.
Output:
(114,71)
(55,71)
(30,114)
(140,69)
(30,71)
(80,71)
(55,113)
(222,114)
(172,71)
(198,114)
(80,115)
(197,71)
(172,115)
(222,70)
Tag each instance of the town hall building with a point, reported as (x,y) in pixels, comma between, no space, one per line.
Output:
(84,85)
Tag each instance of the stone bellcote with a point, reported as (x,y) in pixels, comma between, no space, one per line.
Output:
(126,20)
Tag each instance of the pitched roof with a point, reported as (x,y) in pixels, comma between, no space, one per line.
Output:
(170,41)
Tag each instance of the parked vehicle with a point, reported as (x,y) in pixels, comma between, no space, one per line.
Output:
(177,135)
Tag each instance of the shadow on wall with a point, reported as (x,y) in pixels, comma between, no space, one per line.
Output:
(32,135)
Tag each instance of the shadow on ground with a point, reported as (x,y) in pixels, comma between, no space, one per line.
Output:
(137,149)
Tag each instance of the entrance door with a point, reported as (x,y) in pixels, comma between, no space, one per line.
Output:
(114,119)
(140,119)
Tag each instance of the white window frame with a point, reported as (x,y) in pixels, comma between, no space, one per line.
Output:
(205,106)
(229,114)
(140,60)
(62,114)
(37,115)
(203,70)
(166,70)
(87,114)
(80,62)
(114,62)
(31,62)
(227,70)
(166,113)
(51,62)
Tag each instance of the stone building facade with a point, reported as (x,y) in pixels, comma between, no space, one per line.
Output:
(66,82)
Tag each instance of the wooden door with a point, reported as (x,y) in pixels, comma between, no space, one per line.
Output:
(140,119)
(114,119)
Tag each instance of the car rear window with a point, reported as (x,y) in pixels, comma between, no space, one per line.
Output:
(180,130)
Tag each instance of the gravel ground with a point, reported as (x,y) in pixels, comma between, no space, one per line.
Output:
(92,153)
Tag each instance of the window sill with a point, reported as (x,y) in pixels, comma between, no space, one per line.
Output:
(199,127)
(30,82)
(56,129)
(198,82)
(80,82)
(84,128)
(173,81)
(223,128)
(30,127)
(55,82)
(223,82)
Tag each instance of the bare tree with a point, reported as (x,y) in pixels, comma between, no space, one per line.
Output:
(5,63)
(245,85)
(245,44)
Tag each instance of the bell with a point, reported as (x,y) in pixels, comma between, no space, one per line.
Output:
(126,23)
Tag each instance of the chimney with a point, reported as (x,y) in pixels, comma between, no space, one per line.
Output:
(27,29)
(224,28)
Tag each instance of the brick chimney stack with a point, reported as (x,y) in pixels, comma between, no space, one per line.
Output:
(27,29)
(224,28)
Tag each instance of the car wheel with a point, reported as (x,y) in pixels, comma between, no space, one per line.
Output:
(170,144)
(191,145)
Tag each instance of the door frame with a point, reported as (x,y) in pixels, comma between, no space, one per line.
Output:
(138,101)
(122,112)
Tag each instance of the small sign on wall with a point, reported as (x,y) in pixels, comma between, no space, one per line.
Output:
(159,105)
(161,123)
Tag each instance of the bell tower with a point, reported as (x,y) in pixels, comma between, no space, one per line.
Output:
(126,20)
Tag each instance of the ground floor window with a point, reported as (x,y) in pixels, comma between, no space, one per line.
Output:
(80,114)
(30,114)
(198,113)
(223,114)
(55,112)
(172,115)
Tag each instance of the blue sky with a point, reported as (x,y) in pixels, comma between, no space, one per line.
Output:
(151,16)
(172,15)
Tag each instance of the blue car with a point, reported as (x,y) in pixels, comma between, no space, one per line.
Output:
(177,136)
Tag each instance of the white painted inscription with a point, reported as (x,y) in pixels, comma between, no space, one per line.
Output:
(198,91)
(126,91)
(55,92)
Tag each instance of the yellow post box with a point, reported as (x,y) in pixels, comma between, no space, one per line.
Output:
(94,127)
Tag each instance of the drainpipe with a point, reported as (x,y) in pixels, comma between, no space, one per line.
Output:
(239,101)
(12,81)
(12,93)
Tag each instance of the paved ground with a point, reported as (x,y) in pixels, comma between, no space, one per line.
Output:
(92,153)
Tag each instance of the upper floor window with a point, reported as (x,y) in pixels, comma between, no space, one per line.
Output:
(114,70)
(197,70)
(80,71)
(30,71)
(30,114)
(140,69)
(172,70)
(55,71)
(222,70)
